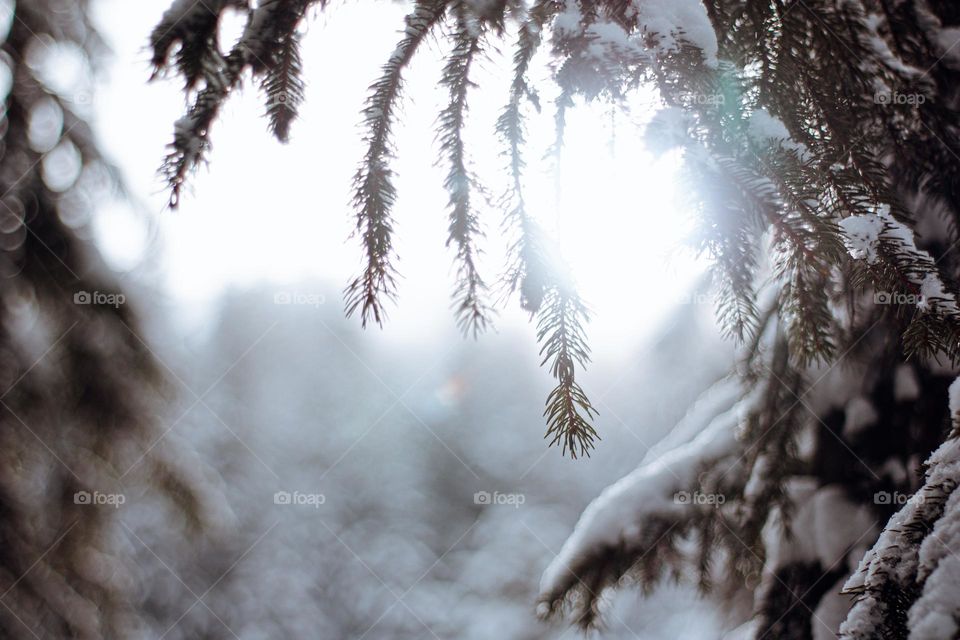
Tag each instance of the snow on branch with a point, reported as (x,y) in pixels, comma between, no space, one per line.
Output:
(616,528)
(909,552)
(269,46)
(674,21)
(935,613)
(888,248)
(190,29)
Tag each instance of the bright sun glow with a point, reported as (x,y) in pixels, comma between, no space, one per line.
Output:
(620,222)
(608,213)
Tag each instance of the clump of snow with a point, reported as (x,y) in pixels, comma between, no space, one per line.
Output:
(567,22)
(861,233)
(935,626)
(944,38)
(674,20)
(667,129)
(934,615)
(937,608)
(610,40)
(932,291)
(859,415)
(719,398)
(894,559)
(763,125)
(838,385)
(954,395)
(882,49)
(906,387)
(617,514)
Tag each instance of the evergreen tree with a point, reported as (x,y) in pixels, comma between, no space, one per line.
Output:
(79,387)
(819,147)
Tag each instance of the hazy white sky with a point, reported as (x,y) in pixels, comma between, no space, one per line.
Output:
(266,212)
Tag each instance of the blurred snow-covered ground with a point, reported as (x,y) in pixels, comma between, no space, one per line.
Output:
(422,500)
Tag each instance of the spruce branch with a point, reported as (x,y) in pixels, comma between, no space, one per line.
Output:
(806,246)
(886,582)
(191,141)
(472,311)
(199,60)
(526,271)
(188,32)
(284,87)
(267,47)
(823,152)
(271,46)
(728,234)
(374,191)
(563,345)
(275,56)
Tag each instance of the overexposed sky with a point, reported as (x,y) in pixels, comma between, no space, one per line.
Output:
(266,212)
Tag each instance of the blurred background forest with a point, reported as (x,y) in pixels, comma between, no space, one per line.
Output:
(397,441)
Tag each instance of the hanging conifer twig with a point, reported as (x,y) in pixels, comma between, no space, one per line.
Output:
(470,305)
(374,191)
